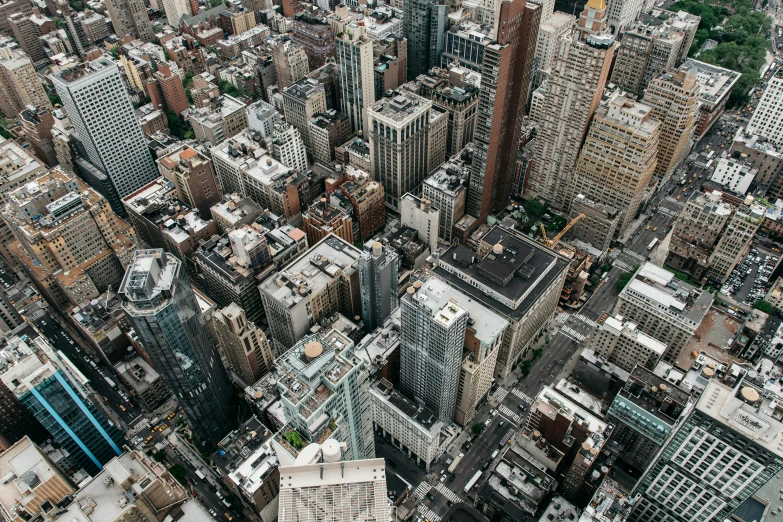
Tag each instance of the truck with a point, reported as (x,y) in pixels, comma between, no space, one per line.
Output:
(455,463)
(200,475)
(110,382)
(472,481)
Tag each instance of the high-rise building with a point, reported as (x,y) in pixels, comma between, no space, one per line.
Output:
(28,30)
(25,459)
(367,200)
(130,17)
(664,307)
(446,191)
(242,343)
(621,13)
(598,225)
(8,8)
(573,93)
(16,422)
(401,130)
(301,101)
(459,97)
(37,123)
(193,177)
(290,62)
(324,487)
(69,241)
(97,102)
(355,58)
(494,277)
(171,88)
(287,147)
(327,131)
(550,35)
(421,216)
(322,219)
(231,267)
(314,286)
(723,452)
(313,33)
(674,98)
(505,79)
(424,24)
(643,394)
(162,307)
(767,120)
(618,179)
(378,275)
(222,118)
(433,335)
(56,393)
(622,343)
(175,10)
(735,240)
(20,85)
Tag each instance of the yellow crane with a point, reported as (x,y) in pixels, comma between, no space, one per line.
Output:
(549,242)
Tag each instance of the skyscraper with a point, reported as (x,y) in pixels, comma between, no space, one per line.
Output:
(97,103)
(433,333)
(573,93)
(424,25)
(162,308)
(55,392)
(505,79)
(767,120)
(20,85)
(243,344)
(175,10)
(130,17)
(618,179)
(726,449)
(378,268)
(674,98)
(355,58)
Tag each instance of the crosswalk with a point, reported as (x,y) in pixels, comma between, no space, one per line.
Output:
(622,266)
(562,318)
(421,490)
(573,334)
(522,396)
(166,432)
(144,423)
(446,492)
(634,255)
(587,321)
(500,394)
(510,415)
(428,513)
(38,314)
(160,445)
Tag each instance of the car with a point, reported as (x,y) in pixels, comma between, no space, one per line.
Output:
(452,477)
(228,516)
(194,481)
(449,503)
(678,198)
(171,415)
(521,407)
(122,407)
(104,398)
(148,439)
(443,479)
(648,227)
(213,513)
(485,465)
(431,496)
(501,423)
(655,229)
(163,427)
(155,428)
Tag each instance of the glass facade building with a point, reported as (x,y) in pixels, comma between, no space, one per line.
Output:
(378,268)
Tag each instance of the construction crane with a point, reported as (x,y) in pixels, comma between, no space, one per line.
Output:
(549,242)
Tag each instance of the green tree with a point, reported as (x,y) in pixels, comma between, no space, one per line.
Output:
(294,439)
(624,279)
(179,472)
(227,88)
(534,208)
(54,99)
(159,455)
(215,3)
(176,128)
(189,135)
(76,5)
(764,306)
(477,428)
(525,366)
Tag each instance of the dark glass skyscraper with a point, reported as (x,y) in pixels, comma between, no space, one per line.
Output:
(162,307)
(378,268)
(424,25)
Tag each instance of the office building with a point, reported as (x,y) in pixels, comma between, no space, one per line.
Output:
(723,452)
(242,343)
(221,119)
(23,461)
(96,100)
(325,393)
(621,178)
(243,167)
(357,87)
(56,393)
(645,413)
(130,17)
(421,216)
(505,79)
(424,24)
(322,219)
(144,381)
(290,60)
(231,267)
(262,117)
(69,241)
(715,86)
(579,73)
(622,13)
(514,276)
(193,177)
(624,344)
(327,132)
(674,98)
(28,30)
(664,307)
(378,276)
(312,288)
(761,155)
(162,308)
(16,422)
(446,190)
(403,148)
(328,488)
(314,34)
(735,240)
(599,224)
(433,335)
(20,85)
(464,44)
(367,200)
(735,175)
(301,101)
(37,123)
(286,146)
(766,119)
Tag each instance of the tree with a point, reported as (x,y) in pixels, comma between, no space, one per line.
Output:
(176,128)
(189,135)
(227,88)
(76,5)
(294,439)
(159,455)
(526,364)
(764,306)
(624,279)
(215,3)
(54,99)
(477,428)
(179,472)
(534,208)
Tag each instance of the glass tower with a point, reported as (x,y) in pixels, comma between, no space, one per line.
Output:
(378,268)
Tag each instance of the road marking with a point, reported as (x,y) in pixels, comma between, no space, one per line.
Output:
(522,396)
(421,490)
(622,266)
(428,513)
(446,492)
(506,411)
(634,255)
(500,394)
(585,320)
(38,314)
(573,334)
(144,423)
(562,318)
(160,445)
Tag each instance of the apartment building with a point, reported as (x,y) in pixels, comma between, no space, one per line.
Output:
(715,86)
(322,219)
(624,344)
(19,83)
(327,131)
(130,17)
(242,343)
(599,225)
(367,200)
(735,239)
(193,177)
(447,191)
(145,382)
(37,123)
(550,36)
(222,119)
(290,61)
(767,119)
(357,85)
(301,101)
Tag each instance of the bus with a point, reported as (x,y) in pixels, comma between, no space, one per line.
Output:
(472,481)
(652,244)
(110,382)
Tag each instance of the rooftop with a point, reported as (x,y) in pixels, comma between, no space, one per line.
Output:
(245,455)
(420,416)
(401,107)
(610,503)
(151,275)
(715,83)
(618,326)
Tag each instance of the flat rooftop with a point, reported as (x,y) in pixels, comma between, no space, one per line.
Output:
(403,106)
(420,416)
(674,296)
(715,82)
